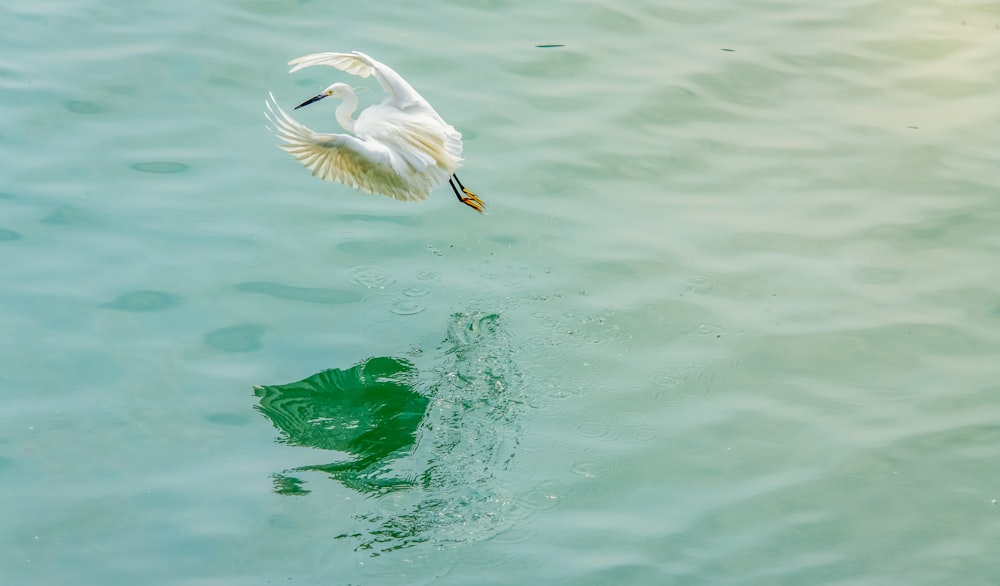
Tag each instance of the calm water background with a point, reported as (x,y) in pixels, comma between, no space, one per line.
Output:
(742,259)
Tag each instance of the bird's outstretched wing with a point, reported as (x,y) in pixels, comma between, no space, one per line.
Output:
(356,63)
(346,159)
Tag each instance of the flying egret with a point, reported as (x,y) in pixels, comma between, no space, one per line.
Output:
(401,148)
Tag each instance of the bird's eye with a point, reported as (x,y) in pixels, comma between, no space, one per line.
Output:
(329,92)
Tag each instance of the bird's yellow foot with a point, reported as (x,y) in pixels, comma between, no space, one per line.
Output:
(472,201)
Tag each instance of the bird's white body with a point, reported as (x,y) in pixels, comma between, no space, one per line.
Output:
(401,147)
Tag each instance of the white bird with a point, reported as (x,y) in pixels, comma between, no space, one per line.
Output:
(401,147)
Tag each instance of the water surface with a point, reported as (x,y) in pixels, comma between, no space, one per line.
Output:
(732,317)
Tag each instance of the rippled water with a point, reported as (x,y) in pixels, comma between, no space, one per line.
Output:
(733,316)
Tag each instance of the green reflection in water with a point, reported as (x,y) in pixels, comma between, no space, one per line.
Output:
(436,438)
(370,412)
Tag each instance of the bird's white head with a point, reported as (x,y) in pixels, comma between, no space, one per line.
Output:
(337,90)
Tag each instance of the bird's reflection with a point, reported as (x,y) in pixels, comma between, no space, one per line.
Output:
(369,412)
(444,432)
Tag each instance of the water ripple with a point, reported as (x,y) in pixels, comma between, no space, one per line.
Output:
(311,295)
(240,338)
(371,277)
(160,167)
(144,301)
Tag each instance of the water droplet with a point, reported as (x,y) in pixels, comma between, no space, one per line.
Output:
(541,498)
(598,430)
(710,330)
(700,284)
(665,379)
(416,291)
(629,419)
(371,277)
(675,384)
(697,390)
(589,468)
(680,374)
(427,275)
(549,321)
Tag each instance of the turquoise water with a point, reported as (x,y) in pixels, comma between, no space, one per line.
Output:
(733,315)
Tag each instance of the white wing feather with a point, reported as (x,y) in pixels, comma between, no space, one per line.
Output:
(348,62)
(365,165)
(401,94)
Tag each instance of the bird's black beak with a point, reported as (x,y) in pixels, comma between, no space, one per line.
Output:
(310,101)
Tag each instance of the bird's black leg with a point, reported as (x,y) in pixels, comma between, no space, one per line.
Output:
(470,199)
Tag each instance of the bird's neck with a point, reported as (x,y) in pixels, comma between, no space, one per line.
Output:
(345,109)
